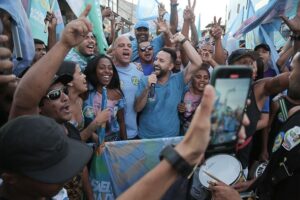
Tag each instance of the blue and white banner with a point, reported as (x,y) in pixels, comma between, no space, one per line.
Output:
(128,161)
(37,15)
(267,14)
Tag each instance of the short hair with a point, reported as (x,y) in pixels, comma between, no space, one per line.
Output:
(38,41)
(172,54)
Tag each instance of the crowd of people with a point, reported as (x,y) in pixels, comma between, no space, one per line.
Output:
(143,88)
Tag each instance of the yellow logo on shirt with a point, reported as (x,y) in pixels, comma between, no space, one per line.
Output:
(135,80)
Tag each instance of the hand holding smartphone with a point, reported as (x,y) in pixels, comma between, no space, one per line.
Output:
(232,85)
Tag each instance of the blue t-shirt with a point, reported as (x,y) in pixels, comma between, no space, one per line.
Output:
(129,78)
(147,68)
(157,43)
(160,118)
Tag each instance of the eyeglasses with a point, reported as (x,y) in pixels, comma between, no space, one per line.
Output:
(147,48)
(55,94)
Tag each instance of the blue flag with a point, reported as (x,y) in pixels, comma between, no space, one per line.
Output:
(267,14)
(20,21)
(37,14)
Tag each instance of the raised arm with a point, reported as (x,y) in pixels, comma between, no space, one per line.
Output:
(216,33)
(40,75)
(284,55)
(174,16)
(192,54)
(186,22)
(194,34)
(277,84)
(191,148)
(163,27)
(294,25)
(51,29)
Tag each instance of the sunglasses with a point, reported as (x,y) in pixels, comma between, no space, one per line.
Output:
(147,48)
(55,94)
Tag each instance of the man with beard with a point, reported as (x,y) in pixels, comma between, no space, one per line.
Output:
(146,57)
(129,78)
(168,92)
(83,52)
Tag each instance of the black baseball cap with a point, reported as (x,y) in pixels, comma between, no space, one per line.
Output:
(263,46)
(240,53)
(67,67)
(65,73)
(38,147)
(64,79)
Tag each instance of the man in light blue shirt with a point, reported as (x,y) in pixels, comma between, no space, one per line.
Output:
(129,77)
(159,116)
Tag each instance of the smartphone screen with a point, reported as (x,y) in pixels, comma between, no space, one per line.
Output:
(232,88)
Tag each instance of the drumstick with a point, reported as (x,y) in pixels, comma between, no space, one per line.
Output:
(47,22)
(212,176)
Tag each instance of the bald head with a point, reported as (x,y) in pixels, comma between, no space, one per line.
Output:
(121,39)
(122,51)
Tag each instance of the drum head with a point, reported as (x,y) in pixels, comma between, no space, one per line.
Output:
(224,167)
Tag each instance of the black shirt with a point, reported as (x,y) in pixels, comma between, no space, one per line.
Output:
(289,187)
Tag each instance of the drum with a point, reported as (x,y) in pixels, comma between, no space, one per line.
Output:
(225,168)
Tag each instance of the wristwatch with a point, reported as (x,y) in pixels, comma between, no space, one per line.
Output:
(177,162)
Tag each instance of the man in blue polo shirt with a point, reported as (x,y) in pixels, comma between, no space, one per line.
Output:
(159,116)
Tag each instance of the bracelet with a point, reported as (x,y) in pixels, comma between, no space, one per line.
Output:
(174,5)
(183,41)
(177,162)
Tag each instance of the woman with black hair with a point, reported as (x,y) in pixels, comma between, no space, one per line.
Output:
(101,72)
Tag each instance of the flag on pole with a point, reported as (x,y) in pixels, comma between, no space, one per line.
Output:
(267,14)
(147,10)
(20,21)
(37,14)
(199,27)
(95,18)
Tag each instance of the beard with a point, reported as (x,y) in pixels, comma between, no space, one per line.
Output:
(162,73)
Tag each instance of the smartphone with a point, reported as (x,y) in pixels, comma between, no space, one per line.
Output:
(232,85)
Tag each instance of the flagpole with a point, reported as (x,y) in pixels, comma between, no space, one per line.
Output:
(47,23)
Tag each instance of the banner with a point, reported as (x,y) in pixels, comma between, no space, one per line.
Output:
(128,161)
(20,21)
(95,18)
(100,179)
(267,14)
(147,10)
(37,15)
